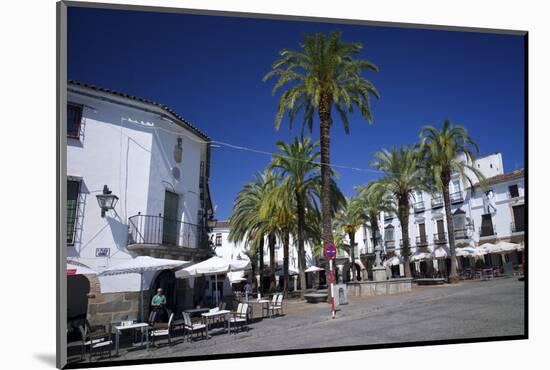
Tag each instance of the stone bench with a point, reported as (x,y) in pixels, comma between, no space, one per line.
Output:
(315,297)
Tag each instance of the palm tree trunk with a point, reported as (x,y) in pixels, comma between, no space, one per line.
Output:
(301,251)
(404,221)
(326,211)
(271,240)
(261,257)
(450,230)
(285,262)
(352,250)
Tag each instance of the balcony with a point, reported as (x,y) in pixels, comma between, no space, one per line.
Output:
(461,234)
(517,229)
(440,238)
(487,232)
(437,201)
(456,197)
(418,207)
(389,245)
(421,241)
(388,217)
(401,243)
(156,235)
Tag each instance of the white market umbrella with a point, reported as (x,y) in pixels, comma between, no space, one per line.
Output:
(393,261)
(214,266)
(79,270)
(467,252)
(419,256)
(236,276)
(141,265)
(314,269)
(505,247)
(441,252)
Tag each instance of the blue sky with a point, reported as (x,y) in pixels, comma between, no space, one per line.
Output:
(210,69)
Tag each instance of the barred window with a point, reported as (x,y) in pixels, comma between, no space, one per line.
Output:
(73,192)
(74,118)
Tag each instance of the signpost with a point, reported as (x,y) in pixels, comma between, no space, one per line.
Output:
(330,253)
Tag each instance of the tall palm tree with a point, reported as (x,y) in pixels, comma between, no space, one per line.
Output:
(403,174)
(323,76)
(348,220)
(375,199)
(246,223)
(297,163)
(448,151)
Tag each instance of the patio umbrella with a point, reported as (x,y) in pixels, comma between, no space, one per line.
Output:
(214,266)
(140,265)
(393,261)
(313,269)
(505,247)
(419,256)
(441,252)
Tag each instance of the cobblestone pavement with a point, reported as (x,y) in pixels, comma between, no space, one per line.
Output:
(465,310)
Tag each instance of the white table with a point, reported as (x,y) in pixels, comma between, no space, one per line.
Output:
(138,325)
(207,316)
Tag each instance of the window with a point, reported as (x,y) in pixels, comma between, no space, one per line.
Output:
(218,240)
(74,118)
(73,192)
(519,218)
(486,225)
(514,191)
(388,233)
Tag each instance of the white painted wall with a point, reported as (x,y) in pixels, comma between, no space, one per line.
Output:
(130,150)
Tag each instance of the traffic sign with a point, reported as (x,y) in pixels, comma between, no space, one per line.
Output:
(330,251)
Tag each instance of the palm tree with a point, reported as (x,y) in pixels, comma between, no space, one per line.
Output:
(449,151)
(246,223)
(403,175)
(323,76)
(297,163)
(375,199)
(278,211)
(348,220)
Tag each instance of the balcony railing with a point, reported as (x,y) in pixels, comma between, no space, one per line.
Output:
(485,231)
(389,244)
(437,201)
(419,206)
(517,228)
(421,240)
(440,238)
(461,234)
(401,243)
(157,230)
(456,197)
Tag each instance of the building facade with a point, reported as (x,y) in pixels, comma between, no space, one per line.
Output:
(480,214)
(157,166)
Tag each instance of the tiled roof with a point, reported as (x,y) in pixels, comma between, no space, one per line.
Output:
(164,107)
(504,177)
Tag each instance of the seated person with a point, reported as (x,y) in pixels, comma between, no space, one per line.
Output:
(158,304)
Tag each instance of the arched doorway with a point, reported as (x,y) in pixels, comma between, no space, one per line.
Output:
(78,287)
(166,279)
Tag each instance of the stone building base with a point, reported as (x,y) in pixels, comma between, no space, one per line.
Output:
(372,288)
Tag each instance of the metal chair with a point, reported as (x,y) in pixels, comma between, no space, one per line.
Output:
(240,317)
(190,328)
(96,341)
(162,330)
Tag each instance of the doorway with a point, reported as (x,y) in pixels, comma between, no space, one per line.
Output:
(170,223)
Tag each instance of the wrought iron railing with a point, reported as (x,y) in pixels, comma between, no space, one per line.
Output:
(401,243)
(517,229)
(389,244)
(421,240)
(440,238)
(157,230)
(487,231)
(461,234)
(437,201)
(419,206)
(456,197)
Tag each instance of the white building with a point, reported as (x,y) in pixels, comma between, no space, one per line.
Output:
(155,162)
(219,236)
(479,215)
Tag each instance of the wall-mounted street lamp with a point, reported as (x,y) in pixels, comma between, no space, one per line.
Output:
(106,201)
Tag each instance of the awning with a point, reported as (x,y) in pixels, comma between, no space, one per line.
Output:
(79,270)
(420,256)
(393,261)
(441,252)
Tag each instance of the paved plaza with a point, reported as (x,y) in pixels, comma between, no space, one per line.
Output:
(469,309)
